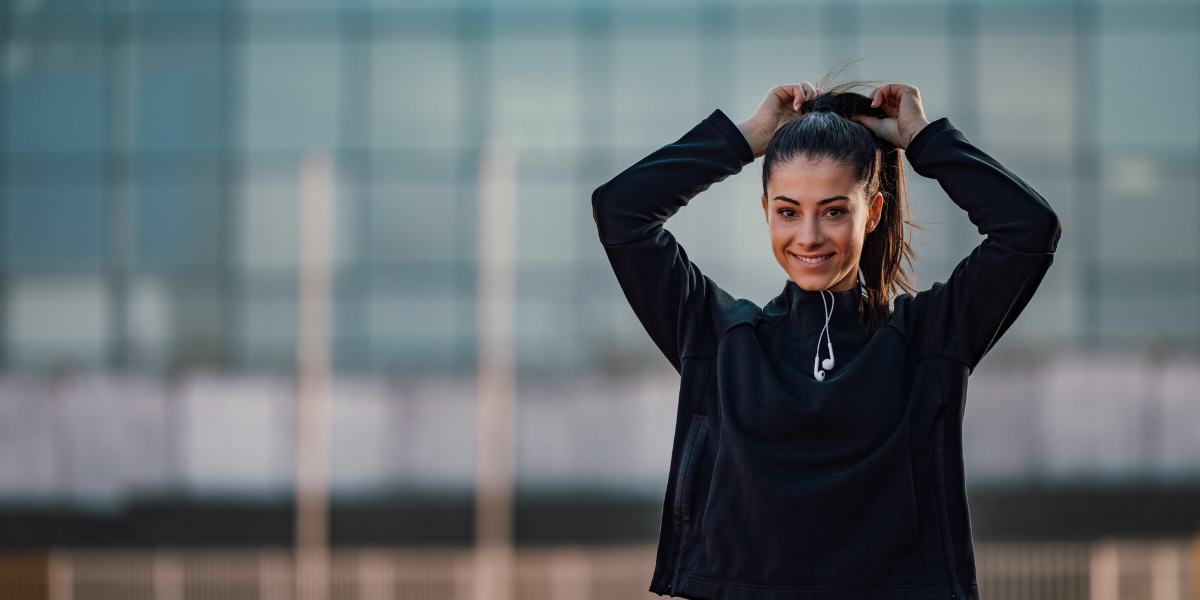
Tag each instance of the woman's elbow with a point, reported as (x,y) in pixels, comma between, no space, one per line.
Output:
(602,214)
(1041,231)
(1049,228)
(612,222)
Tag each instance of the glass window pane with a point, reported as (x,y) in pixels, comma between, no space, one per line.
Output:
(56,211)
(176,211)
(269,214)
(177,97)
(1146,217)
(58,321)
(546,217)
(1136,71)
(54,110)
(412,316)
(291,96)
(151,316)
(761,66)
(918,61)
(1026,91)
(413,223)
(657,90)
(414,94)
(269,319)
(535,93)
(1151,307)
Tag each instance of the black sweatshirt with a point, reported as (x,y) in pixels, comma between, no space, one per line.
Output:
(785,487)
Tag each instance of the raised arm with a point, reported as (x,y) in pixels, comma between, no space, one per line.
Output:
(667,292)
(663,287)
(965,316)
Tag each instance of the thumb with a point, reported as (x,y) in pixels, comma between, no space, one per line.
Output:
(887,129)
(872,123)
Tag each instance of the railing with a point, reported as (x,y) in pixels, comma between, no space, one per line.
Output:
(1109,570)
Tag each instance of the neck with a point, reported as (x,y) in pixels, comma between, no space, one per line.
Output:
(849,282)
(807,312)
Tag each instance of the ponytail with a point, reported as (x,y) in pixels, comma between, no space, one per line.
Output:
(886,263)
(825,130)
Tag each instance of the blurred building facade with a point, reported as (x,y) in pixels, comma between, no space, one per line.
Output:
(149,153)
(150,156)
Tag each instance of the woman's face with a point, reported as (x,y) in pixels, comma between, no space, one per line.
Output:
(818,216)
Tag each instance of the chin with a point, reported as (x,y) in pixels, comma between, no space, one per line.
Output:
(813,284)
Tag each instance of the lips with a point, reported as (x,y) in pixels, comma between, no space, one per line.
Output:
(813,260)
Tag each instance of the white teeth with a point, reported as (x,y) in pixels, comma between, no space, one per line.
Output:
(813,260)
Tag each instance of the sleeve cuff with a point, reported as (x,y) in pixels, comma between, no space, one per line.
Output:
(923,137)
(733,134)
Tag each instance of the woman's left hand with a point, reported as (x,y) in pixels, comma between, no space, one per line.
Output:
(781,105)
(905,114)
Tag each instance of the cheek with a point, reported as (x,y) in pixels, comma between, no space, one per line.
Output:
(779,234)
(847,237)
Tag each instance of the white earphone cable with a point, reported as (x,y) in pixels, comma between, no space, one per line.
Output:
(828,363)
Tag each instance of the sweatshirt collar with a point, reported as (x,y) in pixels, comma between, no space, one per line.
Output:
(805,311)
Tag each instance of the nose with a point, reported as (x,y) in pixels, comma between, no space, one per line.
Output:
(809,235)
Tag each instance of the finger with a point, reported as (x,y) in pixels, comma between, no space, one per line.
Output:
(884,95)
(871,123)
(894,93)
(890,89)
(809,90)
(800,96)
(786,94)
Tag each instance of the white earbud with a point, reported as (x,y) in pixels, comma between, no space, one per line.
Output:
(828,363)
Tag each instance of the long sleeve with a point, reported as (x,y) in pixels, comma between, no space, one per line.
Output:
(666,291)
(965,316)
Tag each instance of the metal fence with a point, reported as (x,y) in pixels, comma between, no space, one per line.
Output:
(1106,570)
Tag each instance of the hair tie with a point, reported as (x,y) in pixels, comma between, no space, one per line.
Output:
(843,105)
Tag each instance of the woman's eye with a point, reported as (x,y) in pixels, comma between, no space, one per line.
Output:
(787,212)
(835,212)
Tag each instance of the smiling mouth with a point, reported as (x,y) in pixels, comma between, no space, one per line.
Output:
(813,260)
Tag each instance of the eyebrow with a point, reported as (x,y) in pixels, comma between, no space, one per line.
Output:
(819,202)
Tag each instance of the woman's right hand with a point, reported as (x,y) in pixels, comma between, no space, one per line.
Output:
(781,105)
(905,114)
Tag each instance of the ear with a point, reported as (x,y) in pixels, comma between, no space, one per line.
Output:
(874,212)
(766,215)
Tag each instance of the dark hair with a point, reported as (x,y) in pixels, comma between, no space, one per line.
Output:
(824,130)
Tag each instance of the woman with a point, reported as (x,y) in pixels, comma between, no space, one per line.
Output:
(843,480)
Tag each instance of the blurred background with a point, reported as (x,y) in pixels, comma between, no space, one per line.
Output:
(150,154)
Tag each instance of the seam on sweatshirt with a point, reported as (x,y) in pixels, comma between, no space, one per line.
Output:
(637,241)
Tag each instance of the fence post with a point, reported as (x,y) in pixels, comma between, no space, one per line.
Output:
(570,575)
(275,578)
(376,576)
(168,575)
(61,576)
(1105,572)
(496,379)
(1165,572)
(1196,566)
(313,378)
